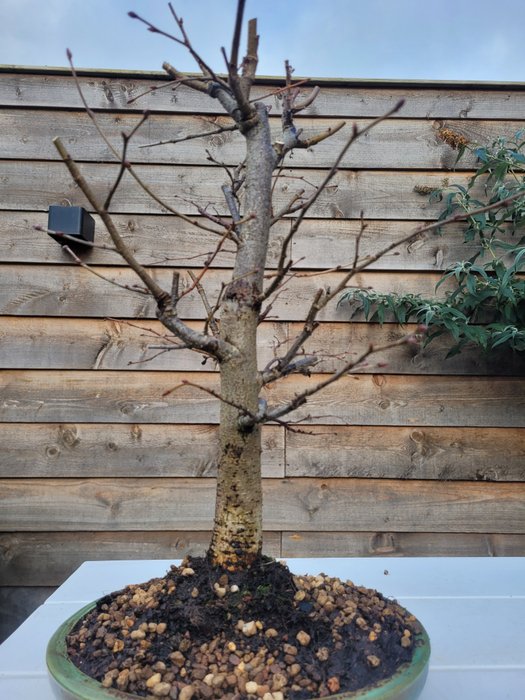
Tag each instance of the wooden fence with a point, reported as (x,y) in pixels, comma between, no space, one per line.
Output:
(422,457)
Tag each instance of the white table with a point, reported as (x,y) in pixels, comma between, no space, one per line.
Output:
(472,608)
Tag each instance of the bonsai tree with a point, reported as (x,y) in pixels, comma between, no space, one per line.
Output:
(229,333)
(228,337)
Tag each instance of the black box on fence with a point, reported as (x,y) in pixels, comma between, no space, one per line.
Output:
(74,221)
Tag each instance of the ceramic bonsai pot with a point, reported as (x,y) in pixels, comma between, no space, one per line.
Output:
(69,683)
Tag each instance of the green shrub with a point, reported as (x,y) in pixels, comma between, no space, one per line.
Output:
(486,304)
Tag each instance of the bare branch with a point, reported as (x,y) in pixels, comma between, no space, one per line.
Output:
(279,91)
(91,114)
(158,293)
(124,165)
(189,137)
(75,239)
(293,205)
(212,322)
(300,399)
(242,409)
(195,83)
(127,287)
(234,53)
(154,88)
(232,203)
(203,66)
(165,308)
(356,133)
(308,101)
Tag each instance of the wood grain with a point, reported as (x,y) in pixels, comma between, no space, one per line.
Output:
(395,143)
(340,505)
(163,242)
(472,454)
(28,290)
(401,544)
(74,343)
(88,450)
(382,194)
(352,98)
(115,450)
(48,558)
(137,397)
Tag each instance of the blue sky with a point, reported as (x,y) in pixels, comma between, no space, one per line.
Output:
(402,39)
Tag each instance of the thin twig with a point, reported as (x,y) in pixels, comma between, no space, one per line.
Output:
(154,88)
(91,114)
(75,239)
(300,399)
(189,137)
(196,283)
(185,382)
(124,165)
(127,287)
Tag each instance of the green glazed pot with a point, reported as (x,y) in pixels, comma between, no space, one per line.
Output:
(69,683)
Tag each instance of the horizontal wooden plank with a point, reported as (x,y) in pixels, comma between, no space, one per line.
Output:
(43,290)
(309,504)
(48,558)
(401,544)
(320,244)
(107,93)
(17,603)
(383,194)
(137,397)
(395,143)
(86,450)
(488,454)
(74,343)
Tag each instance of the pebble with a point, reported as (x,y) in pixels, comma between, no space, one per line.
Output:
(249,628)
(161,690)
(153,680)
(251,687)
(186,692)
(333,684)
(303,638)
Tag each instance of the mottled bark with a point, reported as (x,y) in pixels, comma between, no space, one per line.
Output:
(237,533)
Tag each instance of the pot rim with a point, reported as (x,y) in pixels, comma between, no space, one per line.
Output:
(70,678)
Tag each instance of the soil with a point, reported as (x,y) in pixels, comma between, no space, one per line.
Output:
(201,633)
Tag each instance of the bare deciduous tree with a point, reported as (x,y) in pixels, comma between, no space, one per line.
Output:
(229,334)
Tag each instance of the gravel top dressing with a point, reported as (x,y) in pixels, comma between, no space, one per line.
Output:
(202,633)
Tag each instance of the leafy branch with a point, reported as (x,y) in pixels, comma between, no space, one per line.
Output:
(484,299)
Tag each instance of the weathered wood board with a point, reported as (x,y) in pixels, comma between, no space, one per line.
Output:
(139,397)
(335,505)
(352,98)
(407,143)
(74,343)
(420,456)
(163,241)
(381,194)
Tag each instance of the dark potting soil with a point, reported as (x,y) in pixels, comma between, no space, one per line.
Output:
(200,632)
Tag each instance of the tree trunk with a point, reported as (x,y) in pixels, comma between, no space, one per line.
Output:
(237,534)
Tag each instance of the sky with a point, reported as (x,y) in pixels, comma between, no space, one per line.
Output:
(392,39)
